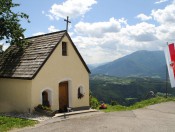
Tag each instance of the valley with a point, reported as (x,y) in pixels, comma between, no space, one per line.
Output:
(126,91)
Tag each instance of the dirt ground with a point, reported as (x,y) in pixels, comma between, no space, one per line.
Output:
(155,118)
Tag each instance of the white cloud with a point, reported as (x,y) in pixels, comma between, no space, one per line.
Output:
(72,8)
(52,29)
(142,32)
(105,41)
(166,15)
(100,42)
(38,33)
(160,1)
(108,40)
(99,28)
(50,16)
(166,33)
(43,12)
(143,17)
(93,49)
(5,46)
(166,18)
(115,44)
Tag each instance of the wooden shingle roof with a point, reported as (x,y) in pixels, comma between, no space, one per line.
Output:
(25,63)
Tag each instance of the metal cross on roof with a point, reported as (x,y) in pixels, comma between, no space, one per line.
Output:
(67,22)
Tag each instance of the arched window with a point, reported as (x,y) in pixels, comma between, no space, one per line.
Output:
(45,100)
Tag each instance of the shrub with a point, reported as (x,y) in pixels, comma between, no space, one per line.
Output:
(41,107)
(113,102)
(44,110)
(94,102)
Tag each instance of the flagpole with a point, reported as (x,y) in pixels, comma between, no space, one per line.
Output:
(166,90)
(166,83)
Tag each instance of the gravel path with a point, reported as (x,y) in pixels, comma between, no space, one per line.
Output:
(155,118)
(31,116)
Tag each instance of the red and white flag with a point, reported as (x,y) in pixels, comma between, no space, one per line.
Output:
(170,60)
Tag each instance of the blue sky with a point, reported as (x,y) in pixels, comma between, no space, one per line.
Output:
(104,30)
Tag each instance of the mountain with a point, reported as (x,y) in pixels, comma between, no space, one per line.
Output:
(138,64)
(93,66)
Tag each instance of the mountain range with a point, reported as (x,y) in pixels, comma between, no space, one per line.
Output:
(138,64)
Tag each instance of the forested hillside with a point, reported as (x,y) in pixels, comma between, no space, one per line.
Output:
(126,91)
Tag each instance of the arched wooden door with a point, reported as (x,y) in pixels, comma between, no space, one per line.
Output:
(63,96)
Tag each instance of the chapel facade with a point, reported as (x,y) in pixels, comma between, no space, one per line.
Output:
(48,70)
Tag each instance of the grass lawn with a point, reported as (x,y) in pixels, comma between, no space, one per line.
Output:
(137,105)
(8,123)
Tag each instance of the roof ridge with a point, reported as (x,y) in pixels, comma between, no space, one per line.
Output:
(46,34)
(25,65)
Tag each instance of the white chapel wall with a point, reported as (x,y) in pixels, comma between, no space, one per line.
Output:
(15,95)
(62,68)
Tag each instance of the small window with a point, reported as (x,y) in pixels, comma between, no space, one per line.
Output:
(64,49)
(45,100)
(80,92)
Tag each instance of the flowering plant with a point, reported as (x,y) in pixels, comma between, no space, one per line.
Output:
(80,95)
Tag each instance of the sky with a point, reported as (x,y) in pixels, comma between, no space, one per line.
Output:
(103,30)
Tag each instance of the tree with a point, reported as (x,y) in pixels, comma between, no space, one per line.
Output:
(1,51)
(10,28)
